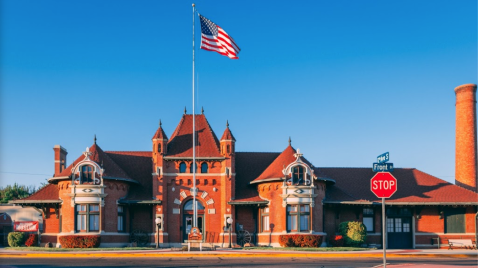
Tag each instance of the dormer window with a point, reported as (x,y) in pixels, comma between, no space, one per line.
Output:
(182,167)
(87,174)
(298,176)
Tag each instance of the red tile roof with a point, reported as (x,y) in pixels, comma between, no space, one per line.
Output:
(227,135)
(353,184)
(48,192)
(248,167)
(274,170)
(138,166)
(112,169)
(180,144)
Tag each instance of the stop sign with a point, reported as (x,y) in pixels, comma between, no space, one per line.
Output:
(383,185)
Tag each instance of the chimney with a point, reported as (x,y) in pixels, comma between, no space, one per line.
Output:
(60,159)
(465,143)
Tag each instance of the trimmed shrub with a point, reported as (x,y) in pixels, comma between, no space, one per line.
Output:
(298,240)
(32,240)
(16,239)
(336,241)
(80,241)
(353,232)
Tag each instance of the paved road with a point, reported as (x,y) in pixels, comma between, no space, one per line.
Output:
(234,262)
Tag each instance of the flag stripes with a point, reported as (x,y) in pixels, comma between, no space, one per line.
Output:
(214,38)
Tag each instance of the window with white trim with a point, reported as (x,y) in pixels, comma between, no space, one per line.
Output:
(87,217)
(368,219)
(298,218)
(121,219)
(265,224)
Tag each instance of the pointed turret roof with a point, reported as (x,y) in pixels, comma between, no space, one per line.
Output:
(180,144)
(160,133)
(227,134)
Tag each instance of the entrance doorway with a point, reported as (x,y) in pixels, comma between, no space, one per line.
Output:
(399,228)
(188,214)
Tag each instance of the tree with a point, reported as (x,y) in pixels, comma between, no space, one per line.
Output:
(15,192)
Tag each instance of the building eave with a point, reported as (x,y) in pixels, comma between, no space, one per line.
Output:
(140,202)
(266,180)
(198,158)
(26,202)
(245,203)
(402,203)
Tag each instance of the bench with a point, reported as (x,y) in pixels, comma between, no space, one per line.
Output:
(462,243)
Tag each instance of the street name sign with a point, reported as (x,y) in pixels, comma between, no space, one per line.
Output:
(383,185)
(383,158)
(382,167)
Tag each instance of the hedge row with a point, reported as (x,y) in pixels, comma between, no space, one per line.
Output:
(19,239)
(298,240)
(80,241)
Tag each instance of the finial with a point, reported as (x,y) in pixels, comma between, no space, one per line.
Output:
(290,140)
(95,139)
(194,5)
(184,109)
(202,110)
(227,123)
(160,124)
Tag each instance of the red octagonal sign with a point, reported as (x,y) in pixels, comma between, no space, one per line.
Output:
(383,185)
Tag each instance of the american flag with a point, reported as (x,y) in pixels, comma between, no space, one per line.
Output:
(214,38)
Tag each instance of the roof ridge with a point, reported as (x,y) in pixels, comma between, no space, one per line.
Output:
(260,152)
(178,127)
(39,191)
(127,151)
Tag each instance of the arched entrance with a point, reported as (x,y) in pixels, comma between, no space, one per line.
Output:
(188,214)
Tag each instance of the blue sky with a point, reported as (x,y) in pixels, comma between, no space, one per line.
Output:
(347,80)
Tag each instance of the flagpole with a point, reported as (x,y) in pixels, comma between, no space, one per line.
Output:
(194,142)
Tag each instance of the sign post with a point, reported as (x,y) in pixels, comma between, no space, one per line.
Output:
(383,185)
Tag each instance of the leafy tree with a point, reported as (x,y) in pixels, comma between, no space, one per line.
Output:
(15,192)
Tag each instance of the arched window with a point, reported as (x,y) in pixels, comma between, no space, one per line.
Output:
(204,168)
(182,167)
(87,174)
(189,205)
(191,168)
(159,147)
(298,175)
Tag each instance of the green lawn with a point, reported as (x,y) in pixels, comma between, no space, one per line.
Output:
(311,249)
(73,249)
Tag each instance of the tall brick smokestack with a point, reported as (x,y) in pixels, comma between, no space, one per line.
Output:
(465,143)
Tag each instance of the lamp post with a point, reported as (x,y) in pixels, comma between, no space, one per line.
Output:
(229,221)
(158,224)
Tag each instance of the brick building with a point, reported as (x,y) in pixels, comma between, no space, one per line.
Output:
(117,194)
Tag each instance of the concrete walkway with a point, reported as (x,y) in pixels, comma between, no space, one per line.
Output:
(224,252)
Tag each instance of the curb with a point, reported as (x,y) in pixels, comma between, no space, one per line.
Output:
(232,255)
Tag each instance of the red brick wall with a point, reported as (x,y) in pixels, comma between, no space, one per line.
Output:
(114,190)
(50,223)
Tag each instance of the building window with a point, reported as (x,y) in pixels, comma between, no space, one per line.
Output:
(87,174)
(265,225)
(121,219)
(455,220)
(87,218)
(298,176)
(159,147)
(368,219)
(228,149)
(204,168)
(191,168)
(182,167)
(298,218)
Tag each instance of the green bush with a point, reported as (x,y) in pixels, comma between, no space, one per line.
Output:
(16,239)
(353,232)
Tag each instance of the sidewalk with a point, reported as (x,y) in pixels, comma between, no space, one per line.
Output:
(256,253)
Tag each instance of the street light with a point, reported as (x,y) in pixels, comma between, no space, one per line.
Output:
(229,221)
(158,223)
